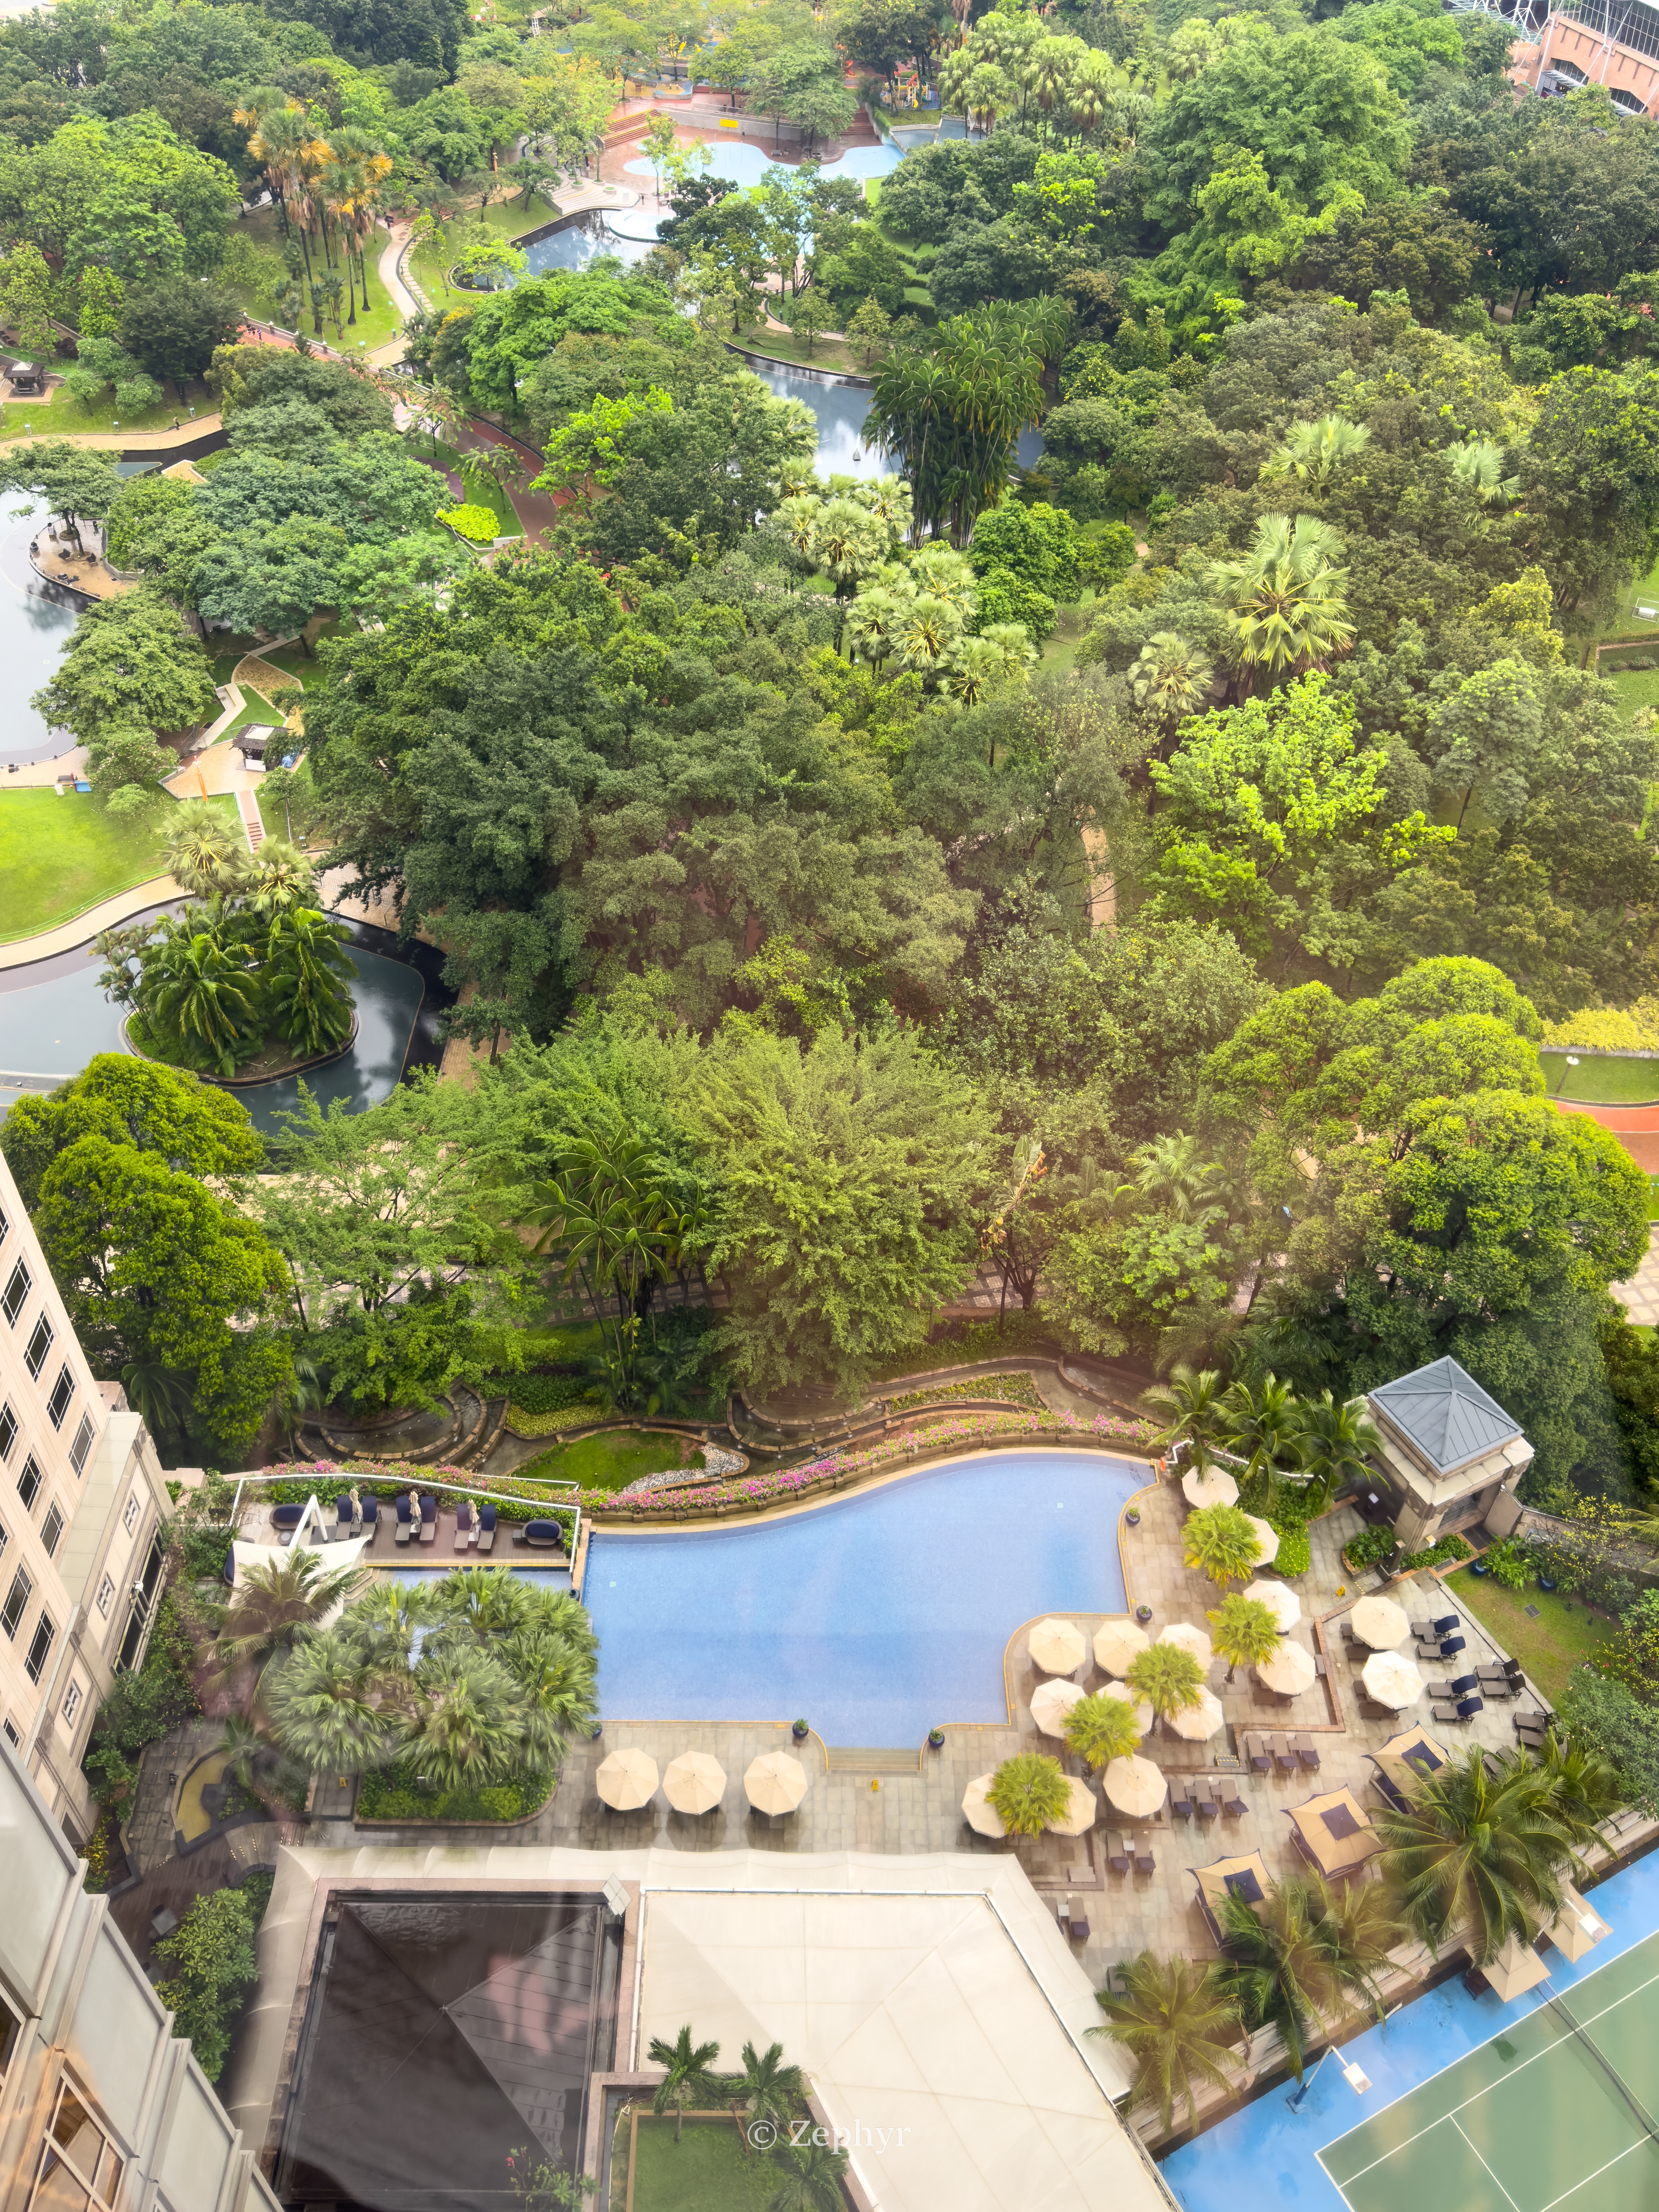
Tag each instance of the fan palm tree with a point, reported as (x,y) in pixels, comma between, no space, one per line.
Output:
(768,2089)
(280,878)
(271,1603)
(1285,598)
(1313,450)
(381,1626)
(812,2179)
(1101,1728)
(1243,1632)
(1029,1791)
(1012,644)
(1221,1541)
(479,1602)
(1168,1679)
(463,1724)
(1297,1959)
(558,1690)
(203,849)
(1170,678)
(688,2078)
(1176,2020)
(1479,468)
(322,1706)
(1338,1440)
(1473,1851)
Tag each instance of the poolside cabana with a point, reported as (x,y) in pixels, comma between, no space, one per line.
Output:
(1186,1638)
(1390,1678)
(1051,1702)
(1577,1927)
(1143,1711)
(626,1780)
(1118,1644)
(1418,1749)
(1268,1537)
(1379,1622)
(977,1810)
(1080,1814)
(1198,1723)
(1290,1671)
(1516,1968)
(1244,1876)
(1280,1600)
(1333,1832)
(1057,1647)
(1202,1487)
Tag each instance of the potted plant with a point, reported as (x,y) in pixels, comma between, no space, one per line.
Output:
(1133,1517)
(1143,1613)
(935,1739)
(800,1731)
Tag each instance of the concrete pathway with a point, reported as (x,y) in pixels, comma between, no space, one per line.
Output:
(1639,1296)
(109,913)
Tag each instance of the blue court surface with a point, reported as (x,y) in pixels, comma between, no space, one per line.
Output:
(1552,2101)
(876,1616)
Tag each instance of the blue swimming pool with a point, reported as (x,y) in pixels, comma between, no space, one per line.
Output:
(1264,2159)
(877,1616)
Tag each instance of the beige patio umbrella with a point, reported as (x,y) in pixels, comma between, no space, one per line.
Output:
(1379,1622)
(1199,1722)
(1186,1638)
(1577,1927)
(1392,1680)
(775,1782)
(1141,1709)
(626,1780)
(695,1782)
(1057,1646)
(1280,1601)
(976,1809)
(1135,1786)
(1117,1643)
(1267,1536)
(1516,1967)
(1213,1486)
(1290,1671)
(1051,1702)
(1081,1816)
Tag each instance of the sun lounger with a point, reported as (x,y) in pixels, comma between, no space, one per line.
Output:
(463,1525)
(1144,1862)
(1495,1683)
(1180,1803)
(1117,1852)
(1370,1710)
(1077,1916)
(1321,1667)
(371,1510)
(487,1526)
(1445,1624)
(1205,1802)
(1305,1750)
(428,1518)
(1284,1757)
(285,1519)
(405,1528)
(1464,1710)
(1462,1684)
(342,1527)
(1256,1751)
(1231,1796)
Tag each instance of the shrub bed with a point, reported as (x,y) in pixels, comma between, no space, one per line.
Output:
(1016,1389)
(397,1795)
(1437,1555)
(1369,1549)
(1295,1553)
(477,524)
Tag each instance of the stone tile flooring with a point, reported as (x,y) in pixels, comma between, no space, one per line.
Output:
(1639,1296)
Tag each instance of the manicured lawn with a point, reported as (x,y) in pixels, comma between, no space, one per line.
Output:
(1636,687)
(63,416)
(1601,1082)
(380,324)
(708,2171)
(60,856)
(1561,1638)
(789,345)
(481,492)
(610,1461)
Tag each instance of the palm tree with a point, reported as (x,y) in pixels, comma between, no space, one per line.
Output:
(1012,644)
(1285,598)
(200,988)
(1101,1728)
(1029,1791)
(1192,1404)
(1243,1632)
(1221,1541)
(767,2090)
(812,2178)
(557,1692)
(381,1626)
(1313,450)
(272,1603)
(479,1602)
(203,849)
(1170,678)
(1479,468)
(321,1704)
(1167,1678)
(1295,1960)
(1338,1440)
(463,1722)
(1474,1850)
(307,980)
(1176,2021)
(1583,1788)
(1172,1171)
(1265,1425)
(159,1394)
(557,1612)
(618,1212)
(689,2077)
(280,878)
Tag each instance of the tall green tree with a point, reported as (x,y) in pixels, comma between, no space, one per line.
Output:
(1178,2022)
(128,662)
(1476,1850)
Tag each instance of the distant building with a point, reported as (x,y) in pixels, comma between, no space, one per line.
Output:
(1450,1452)
(1614,43)
(82,1505)
(102,2107)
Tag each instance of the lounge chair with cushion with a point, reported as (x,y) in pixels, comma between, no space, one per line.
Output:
(1231,1796)
(463,1525)
(1447,1622)
(1495,1683)
(1180,1803)
(1205,1802)
(428,1518)
(1144,1862)
(405,1528)
(342,1527)
(541,1536)
(487,1527)
(1468,1707)
(1117,1852)
(1284,1756)
(1077,1916)
(371,1510)
(1256,1751)
(1306,1750)
(285,1519)
(1462,1684)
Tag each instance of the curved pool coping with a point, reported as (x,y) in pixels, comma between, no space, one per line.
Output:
(930,1465)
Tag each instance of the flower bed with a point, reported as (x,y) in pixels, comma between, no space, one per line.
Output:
(294,1482)
(1015,1389)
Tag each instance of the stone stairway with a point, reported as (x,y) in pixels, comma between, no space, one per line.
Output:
(252,828)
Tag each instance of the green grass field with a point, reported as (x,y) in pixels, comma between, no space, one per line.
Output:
(1551,1647)
(63,416)
(1601,1082)
(60,856)
(479,493)
(1637,688)
(610,1461)
(708,2171)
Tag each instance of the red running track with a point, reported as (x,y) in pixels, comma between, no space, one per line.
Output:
(1636,1128)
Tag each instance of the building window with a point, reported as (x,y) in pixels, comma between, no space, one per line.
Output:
(132,1639)
(106,1592)
(80,2165)
(130,1518)
(61,1391)
(17,1290)
(40,1650)
(13,1738)
(8,1430)
(11,2027)
(17,1600)
(83,1443)
(29,1482)
(71,1704)
(39,1345)
(50,1529)
(4,1224)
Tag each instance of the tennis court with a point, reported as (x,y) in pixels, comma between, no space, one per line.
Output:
(1562,2108)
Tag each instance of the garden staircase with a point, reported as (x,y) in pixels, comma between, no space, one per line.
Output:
(252,828)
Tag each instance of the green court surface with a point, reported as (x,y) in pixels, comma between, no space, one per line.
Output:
(1561,2109)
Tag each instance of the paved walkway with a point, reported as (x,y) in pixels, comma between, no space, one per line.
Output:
(110,914)
(1639,1296)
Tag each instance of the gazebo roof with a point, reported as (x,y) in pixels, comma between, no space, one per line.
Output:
(1444,1415)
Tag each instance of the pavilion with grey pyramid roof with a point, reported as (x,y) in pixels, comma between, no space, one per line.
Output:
(1450,1453)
